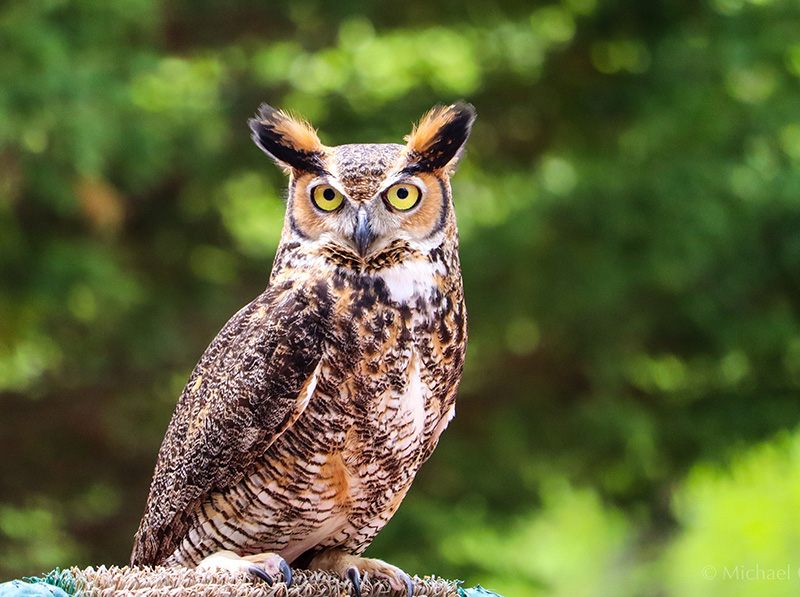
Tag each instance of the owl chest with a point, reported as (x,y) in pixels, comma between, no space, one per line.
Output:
(373,396)
(377,401)
(395,349)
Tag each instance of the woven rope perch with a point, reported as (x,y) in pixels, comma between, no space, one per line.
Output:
(188,582)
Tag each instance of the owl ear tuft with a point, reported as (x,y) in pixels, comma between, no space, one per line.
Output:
(291,142)
(437,141)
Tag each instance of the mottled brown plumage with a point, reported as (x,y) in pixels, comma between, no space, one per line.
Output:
(306,419)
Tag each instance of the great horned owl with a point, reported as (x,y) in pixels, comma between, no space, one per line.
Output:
(306,419)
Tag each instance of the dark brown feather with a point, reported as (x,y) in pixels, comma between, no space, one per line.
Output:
(302,428)
(239,399)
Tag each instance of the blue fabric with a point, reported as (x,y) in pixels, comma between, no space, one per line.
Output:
(478,591)
(20,588)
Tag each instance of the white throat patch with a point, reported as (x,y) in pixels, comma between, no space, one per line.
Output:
(411,279)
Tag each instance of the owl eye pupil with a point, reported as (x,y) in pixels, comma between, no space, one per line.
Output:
(326,198)
(402,197)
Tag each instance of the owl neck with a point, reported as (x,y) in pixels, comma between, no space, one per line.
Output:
(407,273)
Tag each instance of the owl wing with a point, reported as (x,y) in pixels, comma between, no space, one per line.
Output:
(250,385)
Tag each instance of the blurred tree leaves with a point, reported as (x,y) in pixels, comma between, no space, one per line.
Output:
(739,522)
(629,218)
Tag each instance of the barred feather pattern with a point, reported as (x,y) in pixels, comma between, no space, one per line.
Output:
(383,386)
(307,418)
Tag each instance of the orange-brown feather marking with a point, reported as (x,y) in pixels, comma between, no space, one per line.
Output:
(296,132)
(424,219)
(436,142)
(305,216)
(427,131)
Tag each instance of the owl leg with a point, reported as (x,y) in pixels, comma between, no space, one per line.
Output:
(265,566)
(352,567)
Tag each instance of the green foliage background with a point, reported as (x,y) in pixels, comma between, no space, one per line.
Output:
(630,215)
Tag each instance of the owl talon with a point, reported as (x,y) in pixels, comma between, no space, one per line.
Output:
(287,573)
(351,567)
(259,572)
(266,566)
(355,578)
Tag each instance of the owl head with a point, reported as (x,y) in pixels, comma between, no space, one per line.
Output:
(361,201)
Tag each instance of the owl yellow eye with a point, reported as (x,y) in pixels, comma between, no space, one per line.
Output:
(326,197)
(402,196)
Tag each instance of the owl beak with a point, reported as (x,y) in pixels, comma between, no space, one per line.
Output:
(363,236)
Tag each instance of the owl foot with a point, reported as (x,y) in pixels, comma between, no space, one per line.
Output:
(352,567)
(265,566)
